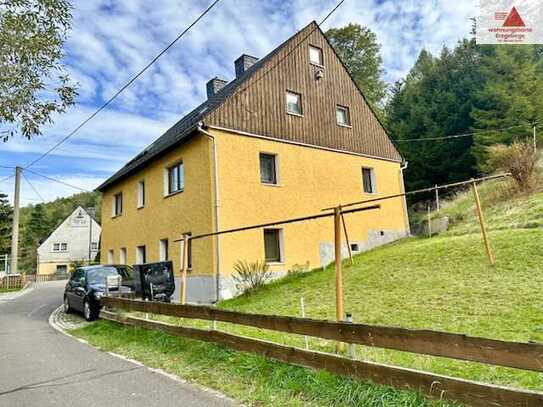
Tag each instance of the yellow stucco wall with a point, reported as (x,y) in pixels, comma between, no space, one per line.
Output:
(309,179)
(51,268)
(163,217)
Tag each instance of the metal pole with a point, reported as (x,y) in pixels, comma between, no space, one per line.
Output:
(429,222)
(90,236)
(350,347)
(482,224)
(437,198)
(306,342)
(15,225)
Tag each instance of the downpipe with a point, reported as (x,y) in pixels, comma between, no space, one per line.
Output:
(200,128)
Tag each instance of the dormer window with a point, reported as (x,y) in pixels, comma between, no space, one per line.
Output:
(315,55)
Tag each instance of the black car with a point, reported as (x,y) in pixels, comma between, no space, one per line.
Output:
(87,286)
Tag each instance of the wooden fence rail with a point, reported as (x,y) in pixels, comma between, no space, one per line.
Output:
(431,385)
(20,280)
(527,356)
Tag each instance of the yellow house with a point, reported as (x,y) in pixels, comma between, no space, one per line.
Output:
(290,135)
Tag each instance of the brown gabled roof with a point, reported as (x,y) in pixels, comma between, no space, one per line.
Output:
(187,126)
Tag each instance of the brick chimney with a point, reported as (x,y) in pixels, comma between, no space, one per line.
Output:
(214,86)
(243,63)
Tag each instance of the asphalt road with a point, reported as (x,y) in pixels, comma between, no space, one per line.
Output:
(40,366)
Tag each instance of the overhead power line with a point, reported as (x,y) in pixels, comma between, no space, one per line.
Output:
(33,187)
(58,181)
(6,178)
(453,136)
(126,85)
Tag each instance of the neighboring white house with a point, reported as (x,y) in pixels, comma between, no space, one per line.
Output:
(74,240)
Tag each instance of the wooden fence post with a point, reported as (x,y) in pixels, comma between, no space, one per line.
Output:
(339,273)
(184,267)
(482,223)
(346,237)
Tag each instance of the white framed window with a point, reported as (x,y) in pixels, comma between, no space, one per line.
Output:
(94,246)
(56,247)
(368,180)
(117,204)
(315,55)
(294,103)
(64,247)
(175,178)
(163,249)
(141,255)
(122,255)
(343,116)
(273,245)
(141,194)
(110,256)
(269,173)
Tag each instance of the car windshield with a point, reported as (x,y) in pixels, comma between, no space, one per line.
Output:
(99,276)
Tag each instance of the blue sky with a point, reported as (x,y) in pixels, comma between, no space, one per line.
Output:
(112,40)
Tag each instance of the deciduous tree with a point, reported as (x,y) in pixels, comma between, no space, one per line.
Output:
(33,83)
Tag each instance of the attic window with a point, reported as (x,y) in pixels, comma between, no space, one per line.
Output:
(294,103)
(315,55)
(343,116)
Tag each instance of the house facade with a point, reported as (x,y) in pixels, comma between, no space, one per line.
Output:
(76,239)
(290,135)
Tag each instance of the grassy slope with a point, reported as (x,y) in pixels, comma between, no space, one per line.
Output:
(443,283)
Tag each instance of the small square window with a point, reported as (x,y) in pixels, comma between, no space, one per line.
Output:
(343,116)
(268,168)
(176,178)
(56,247)
(368,180)
(294,103)
(118,204)
(315,55)
(272,245)
(94,246)
(63,247)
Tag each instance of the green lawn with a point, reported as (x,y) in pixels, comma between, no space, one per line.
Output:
(443,283)
(8,290)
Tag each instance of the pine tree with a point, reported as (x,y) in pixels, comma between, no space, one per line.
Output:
(435,100)
(35,231)
(512,95)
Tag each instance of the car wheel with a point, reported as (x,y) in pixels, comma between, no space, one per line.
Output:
(90,312)
(66,306)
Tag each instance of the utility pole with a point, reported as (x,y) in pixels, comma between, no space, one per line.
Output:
(15,225)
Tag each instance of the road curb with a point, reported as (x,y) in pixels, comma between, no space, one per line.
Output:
(11,296)
(62,328)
